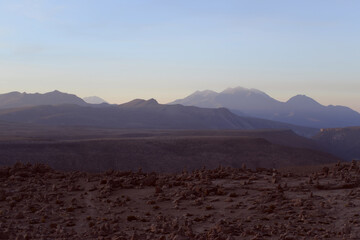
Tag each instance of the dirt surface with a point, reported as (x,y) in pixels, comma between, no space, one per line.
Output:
(37,202)
(160,154)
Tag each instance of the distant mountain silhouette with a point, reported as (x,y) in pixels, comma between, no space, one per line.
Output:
(342,142)
(94,100)
(17,99)
(144,115)
(232,98)
(140,103)
(298,110)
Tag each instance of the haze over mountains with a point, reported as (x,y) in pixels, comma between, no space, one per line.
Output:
(141,114)
(17,99)
(38,112)
(249,109)
(299,110)
(342,142)
(94,100)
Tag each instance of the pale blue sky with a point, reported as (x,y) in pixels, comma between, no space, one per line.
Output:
(121,50)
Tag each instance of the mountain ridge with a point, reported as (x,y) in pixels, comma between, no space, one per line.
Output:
(142,114)
(298,110)
(17,99)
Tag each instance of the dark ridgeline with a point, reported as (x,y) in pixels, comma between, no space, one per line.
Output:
(140,114)
(298,110)
(18,100)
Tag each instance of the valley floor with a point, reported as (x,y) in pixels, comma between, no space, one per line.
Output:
(37,202)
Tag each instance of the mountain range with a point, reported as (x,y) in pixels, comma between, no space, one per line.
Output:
(141,114)
(41,111)
(298,110)
(17,99)
(248,109)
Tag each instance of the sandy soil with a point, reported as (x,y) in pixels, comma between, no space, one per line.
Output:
(37,202)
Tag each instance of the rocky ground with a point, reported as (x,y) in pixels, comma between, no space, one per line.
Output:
(37,202)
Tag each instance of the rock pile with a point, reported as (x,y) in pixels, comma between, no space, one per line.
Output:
(37,202)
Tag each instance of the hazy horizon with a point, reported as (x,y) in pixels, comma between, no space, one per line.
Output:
(166,102)
(165,50)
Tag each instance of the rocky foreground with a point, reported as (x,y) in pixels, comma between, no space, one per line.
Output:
(37,202)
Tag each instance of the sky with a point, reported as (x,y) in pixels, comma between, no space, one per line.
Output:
(121,50)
